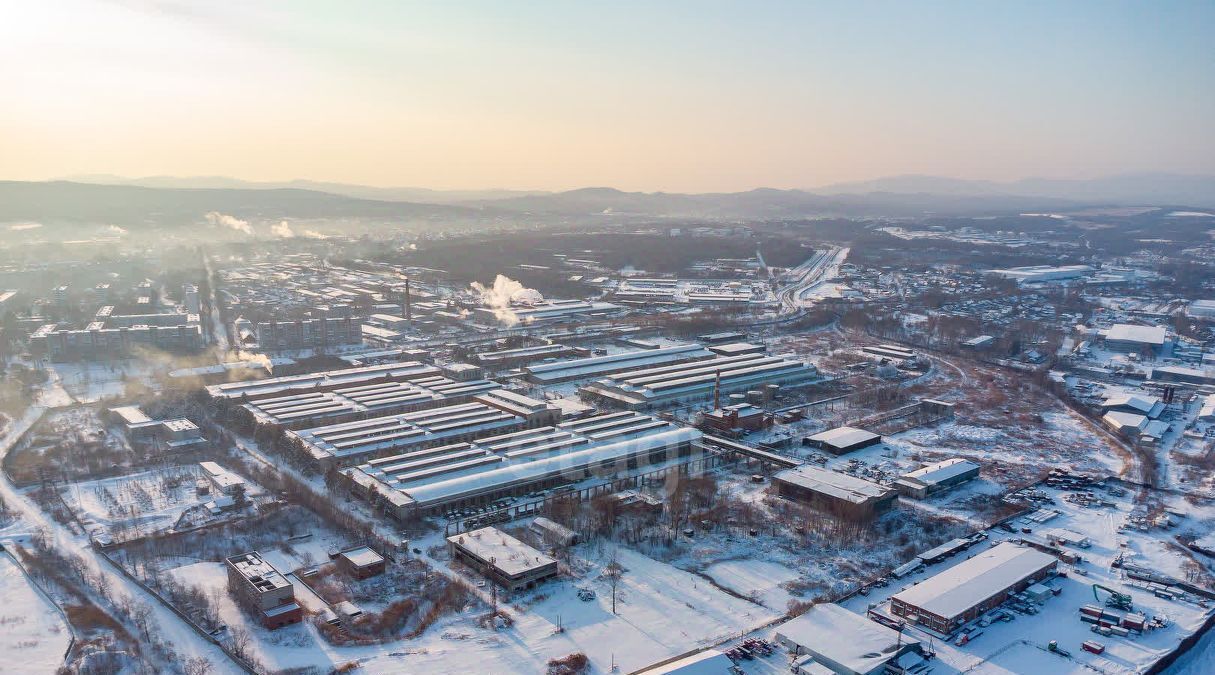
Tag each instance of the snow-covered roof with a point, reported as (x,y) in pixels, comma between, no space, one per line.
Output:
(843,437)
(1144,405)
(1125,332)
(1124,421)
(508,554)
(362,556)
(833,483)
(850,640)
(972,581)
(708,662)
(942,471)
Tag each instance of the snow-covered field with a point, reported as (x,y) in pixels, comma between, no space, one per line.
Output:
(33,635)
(759,580)
(662,611)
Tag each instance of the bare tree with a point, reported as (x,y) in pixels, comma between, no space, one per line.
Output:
(613,572)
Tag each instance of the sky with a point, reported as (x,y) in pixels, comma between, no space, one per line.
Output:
(656,96)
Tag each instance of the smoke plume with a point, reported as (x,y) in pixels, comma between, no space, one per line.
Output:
(282,230)
(502,294)
(230,222)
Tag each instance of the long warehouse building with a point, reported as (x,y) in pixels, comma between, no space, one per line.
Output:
(599,366)
(690,382)
(963,592)
(495,412)
(253,390)
(344,404)
(437,480)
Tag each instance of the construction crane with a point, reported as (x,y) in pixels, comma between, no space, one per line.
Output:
(1116,600)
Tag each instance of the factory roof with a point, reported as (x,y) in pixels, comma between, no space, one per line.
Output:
(406,370)
(942,471)
(844,437)
(976,579)
(707,662)
(381,397)
(508,554)
(1147,335)
(1144,405)
(614,363)
(379,434)
(834,483)
(845,638)
(1123,421)
(439,474)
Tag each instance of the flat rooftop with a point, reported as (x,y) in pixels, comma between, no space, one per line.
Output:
(508,554)
(1146,335)
(844,437)
(833,483)
(972,581)
(847,638)
(258,572)
(942,471)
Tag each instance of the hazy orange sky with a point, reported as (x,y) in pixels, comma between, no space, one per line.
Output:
(676,96)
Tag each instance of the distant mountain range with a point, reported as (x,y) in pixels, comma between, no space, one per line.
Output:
(163,201)
(1126,189)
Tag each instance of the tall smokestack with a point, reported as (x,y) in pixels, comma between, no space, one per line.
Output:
(408,309)
(717,391)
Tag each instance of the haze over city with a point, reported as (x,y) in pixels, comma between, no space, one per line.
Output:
(675,96)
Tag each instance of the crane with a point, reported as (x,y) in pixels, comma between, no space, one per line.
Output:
(1116,600)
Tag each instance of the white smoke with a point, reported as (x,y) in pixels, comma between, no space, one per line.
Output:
(313,234)
(502,294)
(254,358)
(117,230)
(230,222)
(282,230)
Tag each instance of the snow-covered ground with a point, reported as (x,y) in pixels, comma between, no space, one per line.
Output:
(759,580)
(33,635)
(662,611)
(1018,646)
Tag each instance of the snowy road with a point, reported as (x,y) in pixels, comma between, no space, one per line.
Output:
(170,627)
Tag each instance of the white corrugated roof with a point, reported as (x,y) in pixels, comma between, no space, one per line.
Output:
(972,581)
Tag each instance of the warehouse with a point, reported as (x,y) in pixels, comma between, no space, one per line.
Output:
(1183,375)
(547,311)
(962,593)
(842,440)
(698,381)
(1129,338)
(503,559)
(599,366)
(1149,406)
(1043,273)
(437,480)
(513,358)
(344,404)
(934,478)
(833,492)
(495,412)
(846,643)
(316,382)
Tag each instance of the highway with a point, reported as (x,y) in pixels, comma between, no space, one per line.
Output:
(805,277)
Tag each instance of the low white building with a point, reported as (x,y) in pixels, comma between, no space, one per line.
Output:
(844,643)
